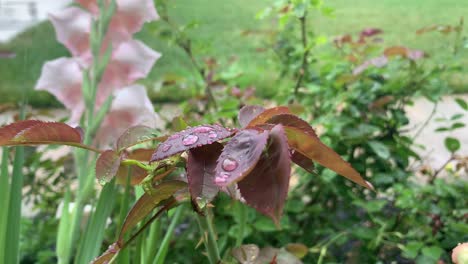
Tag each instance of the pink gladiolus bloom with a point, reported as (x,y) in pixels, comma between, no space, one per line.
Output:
(129,17)
(131,60)
(72,26)
(62,78)
(131,107)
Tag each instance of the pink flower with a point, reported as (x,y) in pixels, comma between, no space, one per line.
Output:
(131,60)
(72,26)
(62,78)
(128,19)
(131,107)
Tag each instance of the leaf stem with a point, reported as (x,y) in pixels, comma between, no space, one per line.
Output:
(209,237)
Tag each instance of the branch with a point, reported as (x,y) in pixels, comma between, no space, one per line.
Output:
(303,69)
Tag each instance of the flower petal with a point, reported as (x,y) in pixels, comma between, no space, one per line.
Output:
(131,60)
(131,107)
(130,17)
(62,78)
(72,26)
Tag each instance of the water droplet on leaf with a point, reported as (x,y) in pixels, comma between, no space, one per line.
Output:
(203,129)
(189,140)
(175,136)
(229,164)
(165,147)
(212,135)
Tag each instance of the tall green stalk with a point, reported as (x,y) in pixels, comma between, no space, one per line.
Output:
(163,249)
(209,237)
(4,200)
(92,121)
(12,253)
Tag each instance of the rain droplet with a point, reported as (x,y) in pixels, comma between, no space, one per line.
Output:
(224,175)
(175,136)
(229,164)
(219,180)
(189,140)
(212,134)
(203,129)
(102,181)
(165,147)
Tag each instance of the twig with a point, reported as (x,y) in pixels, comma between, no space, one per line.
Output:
(303,69)
(434,176)
(434,109)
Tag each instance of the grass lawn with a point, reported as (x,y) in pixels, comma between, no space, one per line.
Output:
(218,34)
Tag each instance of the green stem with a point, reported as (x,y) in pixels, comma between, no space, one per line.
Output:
(242,213)
(14,206)
(162,252)
(209,237)
(4,200)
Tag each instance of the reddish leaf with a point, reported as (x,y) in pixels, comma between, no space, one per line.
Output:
(108,255)
(107,166)
(239,156)
(265,188)
(201,171)
(309,145)
(303,162)
(190,138)
(369,32)
(133,136)
(267,114)
(248,113)
(148,203)
(292,121)
(34,132)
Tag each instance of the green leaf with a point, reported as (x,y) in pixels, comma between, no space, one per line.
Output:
(457,126)
(411,250)
(462,103)
(432,252)
(452,144)
(4,199)
(380,149)
(456,116)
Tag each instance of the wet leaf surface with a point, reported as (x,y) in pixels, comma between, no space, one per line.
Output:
(265,188)
(107,166)
(190,138)
(239,156)
(35,132)
(201,171)
(248,113)
(268,114)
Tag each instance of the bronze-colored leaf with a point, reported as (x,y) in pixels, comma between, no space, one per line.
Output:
(107,166)
(35,132)
(309,145)
(248,113)
(303,162)
(240,155)
(133,136)
(189,139)
(268,114)
(201,171)
(148,203)
(265,188)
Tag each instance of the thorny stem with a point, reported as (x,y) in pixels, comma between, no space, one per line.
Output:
(209,237)
(429,118)
(305,55)
(434,176)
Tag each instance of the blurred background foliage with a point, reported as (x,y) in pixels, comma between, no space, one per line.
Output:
(248,52)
